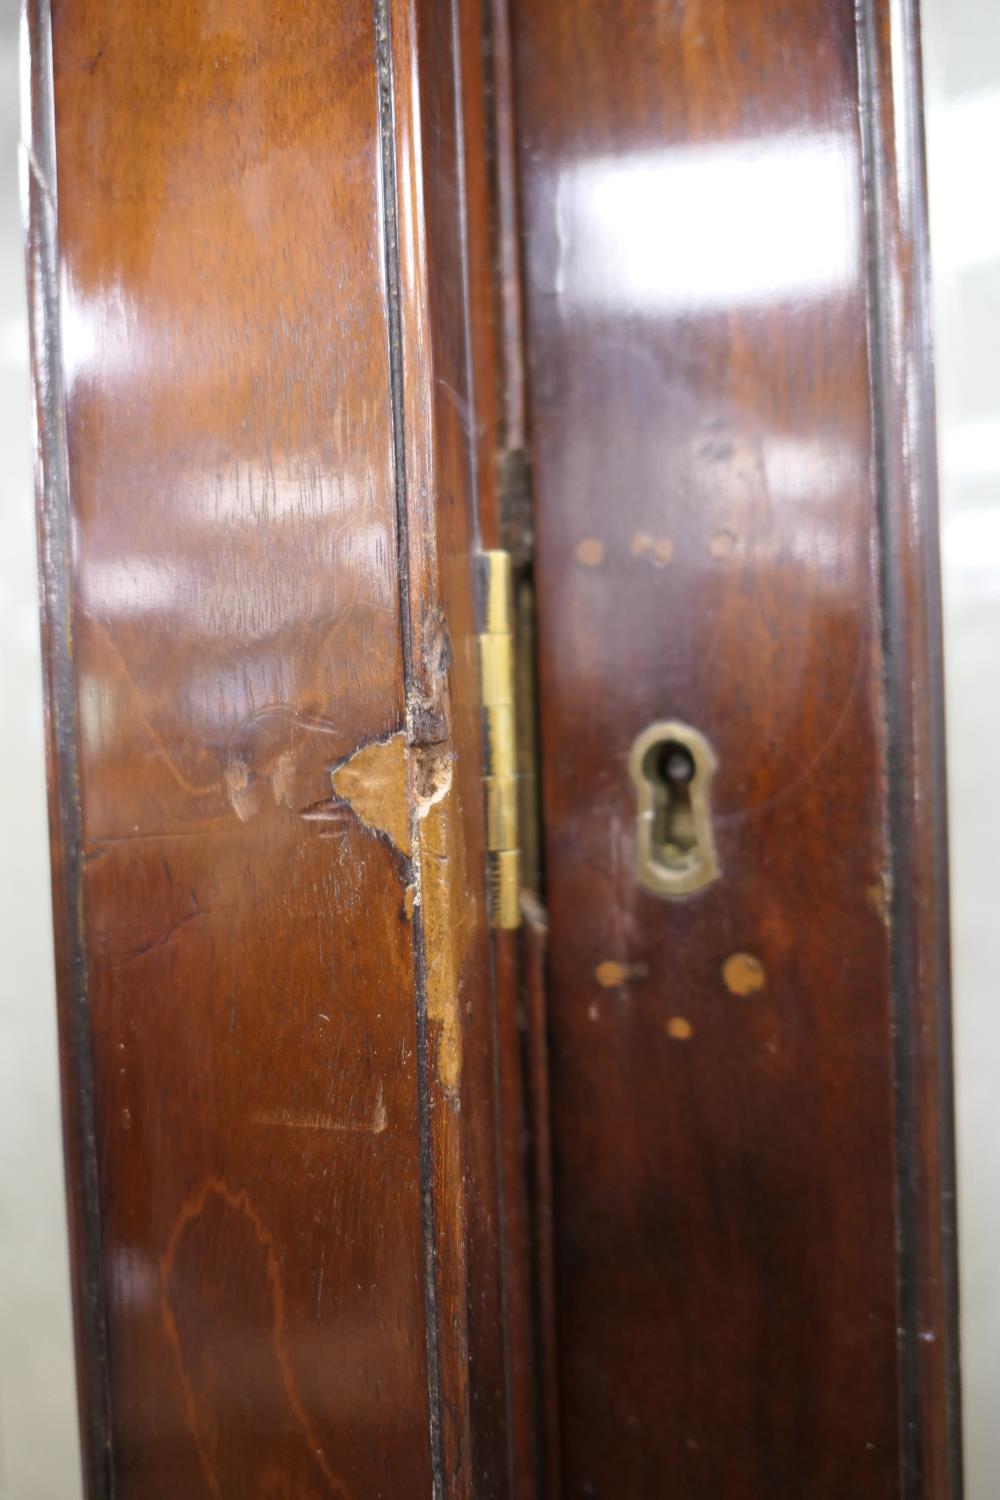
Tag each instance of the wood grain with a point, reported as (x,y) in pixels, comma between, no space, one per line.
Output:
(266,608)
(731,1159)
(322,1136)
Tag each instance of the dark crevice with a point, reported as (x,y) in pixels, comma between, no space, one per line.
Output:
(390,229)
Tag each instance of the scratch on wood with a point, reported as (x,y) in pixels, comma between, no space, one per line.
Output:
(373,783)
(376,1124)
(163,938)
(446,903)
(242,794)
(385,784)
(879,895)
(283,779)
(610,973)
(428,705)
(193,789)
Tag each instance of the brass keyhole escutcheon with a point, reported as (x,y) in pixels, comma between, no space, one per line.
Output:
(672,766)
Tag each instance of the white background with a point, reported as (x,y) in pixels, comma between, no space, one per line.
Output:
(962,83)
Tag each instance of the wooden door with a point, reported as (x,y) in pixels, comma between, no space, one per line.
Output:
(653,1198)
(256,498)
(732,447)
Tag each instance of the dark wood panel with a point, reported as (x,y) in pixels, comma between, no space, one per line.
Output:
(236,634)
(257,498)
(712,547)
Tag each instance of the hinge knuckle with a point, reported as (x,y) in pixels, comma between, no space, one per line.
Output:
(496,667)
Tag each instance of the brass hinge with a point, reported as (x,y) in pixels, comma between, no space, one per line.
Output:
(496,668)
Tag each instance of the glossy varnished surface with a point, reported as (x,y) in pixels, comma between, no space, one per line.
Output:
(276,308)
(236,634)
(700,338)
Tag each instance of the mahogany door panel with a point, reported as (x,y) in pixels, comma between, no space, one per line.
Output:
(742,1210)
(267,822)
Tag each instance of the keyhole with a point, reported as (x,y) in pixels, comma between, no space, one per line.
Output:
(671,770)
(671,765)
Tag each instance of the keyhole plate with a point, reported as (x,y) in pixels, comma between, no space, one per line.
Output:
(675,849)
